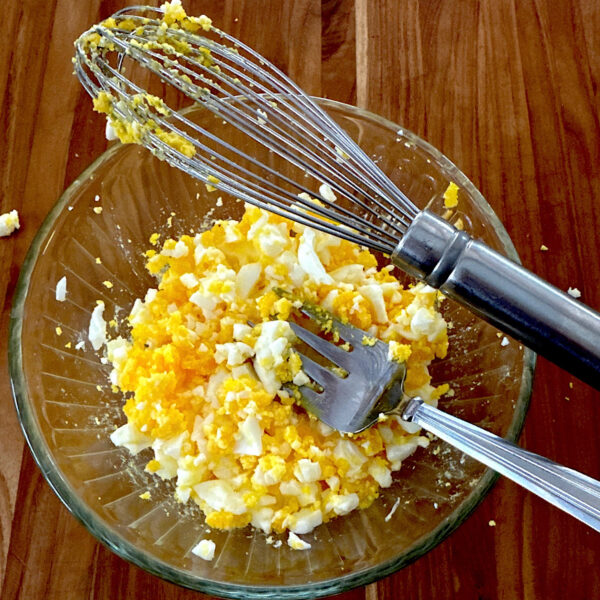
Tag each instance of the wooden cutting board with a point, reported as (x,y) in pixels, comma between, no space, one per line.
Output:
(509,90)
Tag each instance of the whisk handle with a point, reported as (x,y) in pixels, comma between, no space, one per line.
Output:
(523,305)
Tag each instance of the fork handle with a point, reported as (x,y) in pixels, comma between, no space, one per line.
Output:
(573,492)
(529,309)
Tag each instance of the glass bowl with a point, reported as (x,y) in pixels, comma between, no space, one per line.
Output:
(67,409)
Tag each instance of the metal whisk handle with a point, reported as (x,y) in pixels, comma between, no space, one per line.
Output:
(544,318)
(573,492)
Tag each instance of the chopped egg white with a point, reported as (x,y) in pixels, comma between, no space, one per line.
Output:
(309,260)
(130,437)
(307,471)
(249,441)
(9,222)
(271,347)
(110,132)
(374,294)
(327,193)
(393,510)
(296,543)
(97,328)
(247,278)
(220,495)
(205,549)
(61,289)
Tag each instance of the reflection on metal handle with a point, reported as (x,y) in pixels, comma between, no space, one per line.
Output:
(503,293)
(573,492)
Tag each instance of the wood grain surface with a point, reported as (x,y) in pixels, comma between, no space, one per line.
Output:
(507,89)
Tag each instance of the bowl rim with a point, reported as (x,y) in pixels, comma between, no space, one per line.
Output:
(109,536)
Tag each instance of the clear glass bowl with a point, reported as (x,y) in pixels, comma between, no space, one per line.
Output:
(68,410)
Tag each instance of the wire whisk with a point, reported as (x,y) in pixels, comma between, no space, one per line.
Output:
(240,87)
(356,202)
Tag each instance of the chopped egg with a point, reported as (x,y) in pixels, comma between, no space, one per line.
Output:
(394,508)
(296,543)
(61,289)
(97,328)
(109,132)
(249,441)
(310,261)
(205,549)
(209,394)
(327,193)
(451,196)
(130,437)
(9,222)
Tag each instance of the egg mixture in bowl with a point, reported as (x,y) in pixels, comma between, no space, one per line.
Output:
(213,396)
(166,422)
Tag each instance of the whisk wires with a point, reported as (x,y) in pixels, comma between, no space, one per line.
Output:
(244,90)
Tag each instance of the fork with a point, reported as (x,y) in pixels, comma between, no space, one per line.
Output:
(374,385)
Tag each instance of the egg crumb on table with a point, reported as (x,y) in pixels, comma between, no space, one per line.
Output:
(9,223)
(205,390)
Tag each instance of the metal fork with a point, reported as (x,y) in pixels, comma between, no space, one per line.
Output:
(374,385)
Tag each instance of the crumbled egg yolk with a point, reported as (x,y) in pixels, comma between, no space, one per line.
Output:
(205,388)
(175,15)
(133,132)
(451,196)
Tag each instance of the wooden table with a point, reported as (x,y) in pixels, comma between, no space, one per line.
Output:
(509,90)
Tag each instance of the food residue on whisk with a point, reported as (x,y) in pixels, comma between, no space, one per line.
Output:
(205,549)
(135,118)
